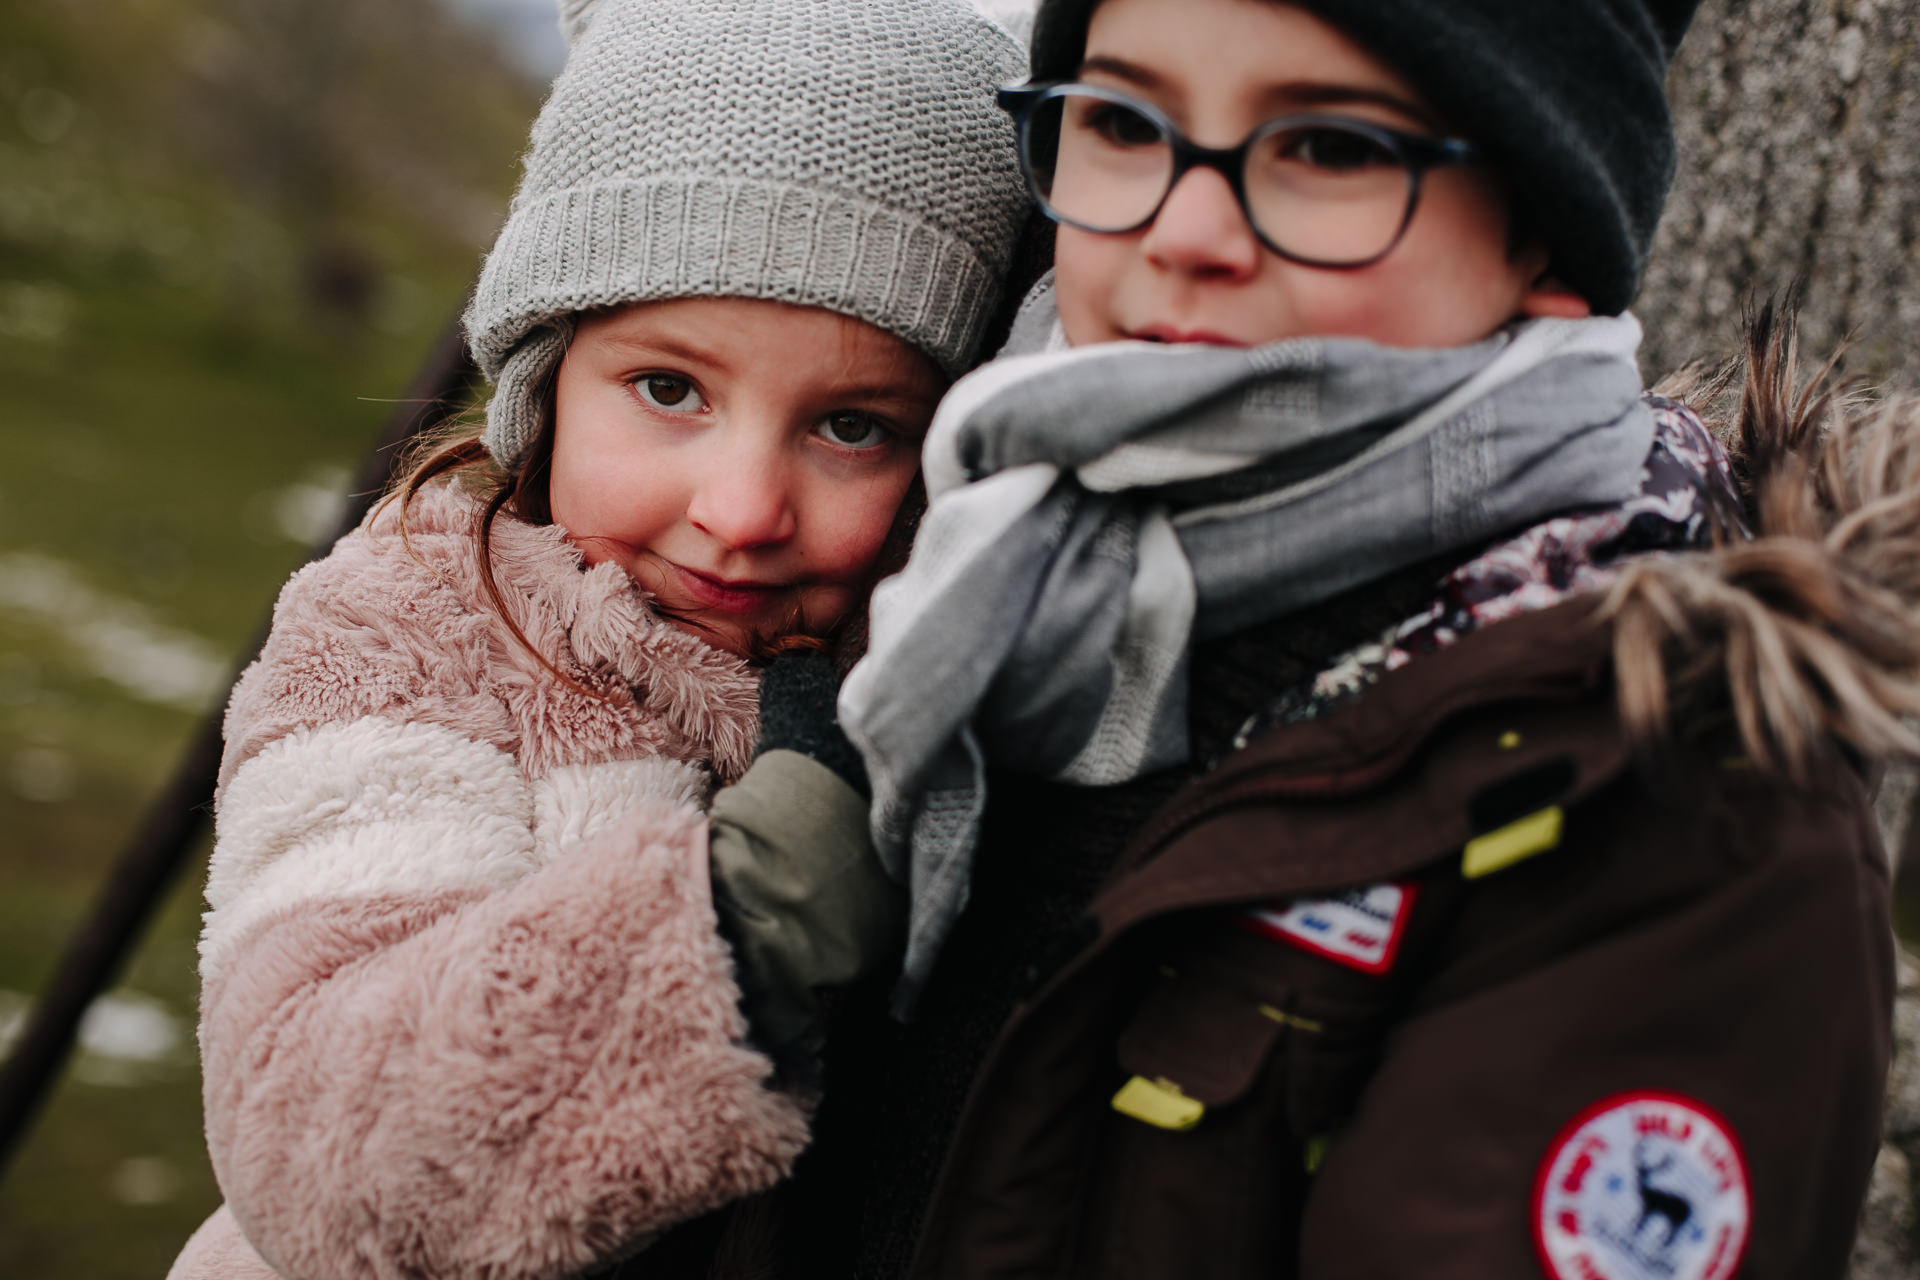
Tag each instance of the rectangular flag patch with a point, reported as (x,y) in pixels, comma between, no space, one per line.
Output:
(1359,928)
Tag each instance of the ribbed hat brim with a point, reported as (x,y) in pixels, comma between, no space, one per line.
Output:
(706,237)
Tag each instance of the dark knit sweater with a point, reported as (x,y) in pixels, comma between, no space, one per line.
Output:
(894,1093)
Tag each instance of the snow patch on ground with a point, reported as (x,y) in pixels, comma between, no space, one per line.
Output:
(116,639)
(126,1036)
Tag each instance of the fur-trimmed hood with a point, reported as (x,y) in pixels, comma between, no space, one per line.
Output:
(1804,623)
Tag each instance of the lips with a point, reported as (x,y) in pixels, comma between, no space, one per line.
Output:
(1170,334)
(742,596)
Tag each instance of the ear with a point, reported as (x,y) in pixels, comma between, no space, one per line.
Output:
(1544,296)
(1548,297)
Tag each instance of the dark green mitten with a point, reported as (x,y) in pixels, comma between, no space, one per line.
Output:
(801,897)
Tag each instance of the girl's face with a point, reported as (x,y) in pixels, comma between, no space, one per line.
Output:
(742,460)
(1219,69)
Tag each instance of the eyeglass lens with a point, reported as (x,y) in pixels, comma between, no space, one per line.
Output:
(1317,190)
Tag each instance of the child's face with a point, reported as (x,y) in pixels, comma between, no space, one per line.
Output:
(741,459)
(1218,69)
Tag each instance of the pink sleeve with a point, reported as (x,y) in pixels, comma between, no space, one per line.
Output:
(519,1082)
(217,1251)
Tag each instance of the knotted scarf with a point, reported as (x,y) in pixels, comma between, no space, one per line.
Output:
(1093,510)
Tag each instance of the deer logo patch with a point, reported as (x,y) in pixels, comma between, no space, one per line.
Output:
(1642,1186)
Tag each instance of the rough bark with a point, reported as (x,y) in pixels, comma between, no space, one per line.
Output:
(1886,1249)
(1797,122)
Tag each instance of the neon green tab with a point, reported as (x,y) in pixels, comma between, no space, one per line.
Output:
(1314,1154)
(1515,842)
(1286,1019)
(1158,1103)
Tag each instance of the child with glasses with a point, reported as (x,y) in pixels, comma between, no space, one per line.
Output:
(1355,779)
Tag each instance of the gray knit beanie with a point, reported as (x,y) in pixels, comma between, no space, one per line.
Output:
(844,154)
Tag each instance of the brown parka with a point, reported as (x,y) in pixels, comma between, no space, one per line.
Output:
(1698,930)
(1643,895)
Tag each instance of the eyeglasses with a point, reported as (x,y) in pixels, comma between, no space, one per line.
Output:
(1325,191)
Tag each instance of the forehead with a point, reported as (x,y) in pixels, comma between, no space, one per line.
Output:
(1258,56)
(800,346)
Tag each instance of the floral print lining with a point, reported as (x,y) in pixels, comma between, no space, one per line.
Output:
(1686,490)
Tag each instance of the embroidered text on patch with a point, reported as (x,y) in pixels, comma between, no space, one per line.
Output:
(1359,928)
(1642,1186)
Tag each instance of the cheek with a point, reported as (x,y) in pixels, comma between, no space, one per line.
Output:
(843,549)
(1086,270)
(1467,284)
(566,491)
(573,482)
(606,480)
(619,496)
(579,494)
(1433,291)
(1367,303)
(851,529)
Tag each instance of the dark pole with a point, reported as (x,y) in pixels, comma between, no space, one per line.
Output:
(167,834)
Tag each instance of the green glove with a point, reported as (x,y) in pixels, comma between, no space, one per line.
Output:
(800,895)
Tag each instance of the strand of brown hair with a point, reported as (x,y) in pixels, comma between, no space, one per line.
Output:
(458,455)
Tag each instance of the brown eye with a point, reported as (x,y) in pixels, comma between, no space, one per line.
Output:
(853,430)
(1123,126)
(1336,150)
(668,391)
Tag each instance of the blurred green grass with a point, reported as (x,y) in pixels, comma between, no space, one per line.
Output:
(228,235)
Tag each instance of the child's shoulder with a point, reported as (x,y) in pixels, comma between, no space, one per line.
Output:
(415,561)
(385,623)
(404,536)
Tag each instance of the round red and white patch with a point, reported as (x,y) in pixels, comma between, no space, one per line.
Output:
(1642,1186)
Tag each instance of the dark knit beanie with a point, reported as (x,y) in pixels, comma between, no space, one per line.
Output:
(1567,97)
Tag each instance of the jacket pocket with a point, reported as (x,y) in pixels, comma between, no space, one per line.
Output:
(1240,1055)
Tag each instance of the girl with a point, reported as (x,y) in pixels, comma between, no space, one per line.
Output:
(465,1008)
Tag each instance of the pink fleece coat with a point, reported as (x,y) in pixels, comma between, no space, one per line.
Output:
(464,1009)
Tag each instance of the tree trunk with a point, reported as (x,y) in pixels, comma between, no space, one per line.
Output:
(1799,166)
(1799,133)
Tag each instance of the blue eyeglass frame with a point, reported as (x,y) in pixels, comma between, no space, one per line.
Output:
(1417,152)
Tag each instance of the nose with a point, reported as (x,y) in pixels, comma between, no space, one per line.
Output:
(1200,230)
(744,497)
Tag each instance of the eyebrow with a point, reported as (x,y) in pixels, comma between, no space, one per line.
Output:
(1132,72)
(1304,93)
(1312,94)
(882,392)
(894,395)
(665,345)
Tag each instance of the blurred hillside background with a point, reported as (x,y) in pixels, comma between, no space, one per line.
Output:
(229,232)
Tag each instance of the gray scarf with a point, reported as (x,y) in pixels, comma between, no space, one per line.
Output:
(1092,511)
